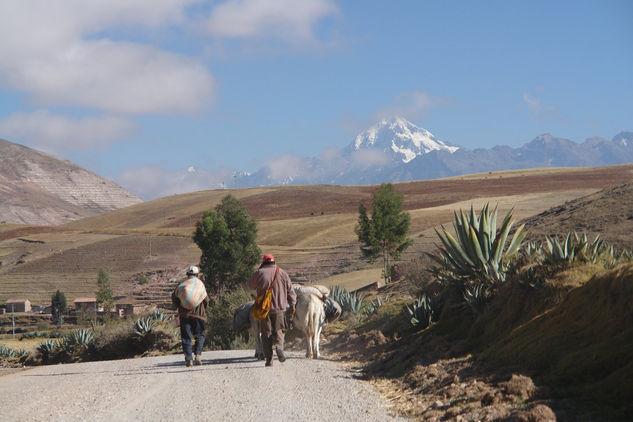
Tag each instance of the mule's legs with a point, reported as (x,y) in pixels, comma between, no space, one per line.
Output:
(317,340)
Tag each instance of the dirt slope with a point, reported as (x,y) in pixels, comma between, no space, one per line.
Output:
(608,213)
(36,188)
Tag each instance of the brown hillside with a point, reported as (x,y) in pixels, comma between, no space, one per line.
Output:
(608,213)
(36,188)
(290,202)
(308,228)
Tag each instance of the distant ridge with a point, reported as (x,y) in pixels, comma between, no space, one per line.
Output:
(396,150)
(37,188)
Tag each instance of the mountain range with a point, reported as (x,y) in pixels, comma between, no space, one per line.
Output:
(396,150)
(37,188)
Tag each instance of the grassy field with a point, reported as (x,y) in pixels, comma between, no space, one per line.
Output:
(308,228)
(28,344)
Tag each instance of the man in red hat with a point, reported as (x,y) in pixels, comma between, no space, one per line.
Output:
(273,327)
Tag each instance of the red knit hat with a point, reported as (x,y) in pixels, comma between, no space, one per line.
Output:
(268,258)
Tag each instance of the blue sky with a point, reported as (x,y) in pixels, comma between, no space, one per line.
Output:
(142,92)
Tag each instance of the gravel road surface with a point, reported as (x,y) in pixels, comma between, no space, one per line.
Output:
(229,386)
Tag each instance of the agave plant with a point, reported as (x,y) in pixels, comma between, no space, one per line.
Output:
(354,303)
(373,306)
(476,298)
(144,326)
(478,255)
(574,248)
(46,348)
(336,293)
(423,312)
(158,316)
(6,352)
(81,338)
(350,302)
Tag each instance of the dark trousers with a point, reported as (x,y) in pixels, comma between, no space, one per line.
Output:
(192,328)
(273,329)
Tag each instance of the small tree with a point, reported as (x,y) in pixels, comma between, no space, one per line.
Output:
(105,295)
(384,234)
(58,307)
(227,238)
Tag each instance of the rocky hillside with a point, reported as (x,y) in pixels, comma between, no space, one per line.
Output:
(36,188)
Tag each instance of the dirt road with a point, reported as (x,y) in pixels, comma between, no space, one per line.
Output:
(230,386)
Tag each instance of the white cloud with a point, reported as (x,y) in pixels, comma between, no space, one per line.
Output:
(53,52)
(291,21)
(412,105)
(287,166)
(532,103)
(152,182)
(537,108)
(369,158)
(58,134)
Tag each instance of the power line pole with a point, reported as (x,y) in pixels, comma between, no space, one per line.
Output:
(150,246)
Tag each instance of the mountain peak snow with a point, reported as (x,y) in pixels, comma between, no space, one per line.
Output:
(401,138)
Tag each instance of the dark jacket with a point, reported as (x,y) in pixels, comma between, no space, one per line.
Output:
(199,312)
(283,295)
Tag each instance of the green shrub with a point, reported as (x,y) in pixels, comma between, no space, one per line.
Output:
(220,333)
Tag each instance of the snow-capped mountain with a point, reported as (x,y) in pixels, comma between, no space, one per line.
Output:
(395,150)
(400,138)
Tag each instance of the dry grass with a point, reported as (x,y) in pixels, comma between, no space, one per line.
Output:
(354,280)
(28,345)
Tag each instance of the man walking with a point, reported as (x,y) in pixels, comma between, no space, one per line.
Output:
(190,298)
(273,327)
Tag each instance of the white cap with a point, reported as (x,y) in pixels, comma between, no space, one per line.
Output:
(193,270)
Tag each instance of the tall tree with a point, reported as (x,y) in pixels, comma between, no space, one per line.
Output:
(58,307)
(105,295)
(384,234)
(227,238)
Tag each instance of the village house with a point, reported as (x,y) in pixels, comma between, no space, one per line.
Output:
(18,305)
(86,304)
(125,309)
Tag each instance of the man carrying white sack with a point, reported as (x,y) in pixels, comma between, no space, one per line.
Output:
(190,297)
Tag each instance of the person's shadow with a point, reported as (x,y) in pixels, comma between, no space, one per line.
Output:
(210,363)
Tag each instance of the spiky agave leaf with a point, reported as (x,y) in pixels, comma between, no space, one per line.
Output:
(477,255)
